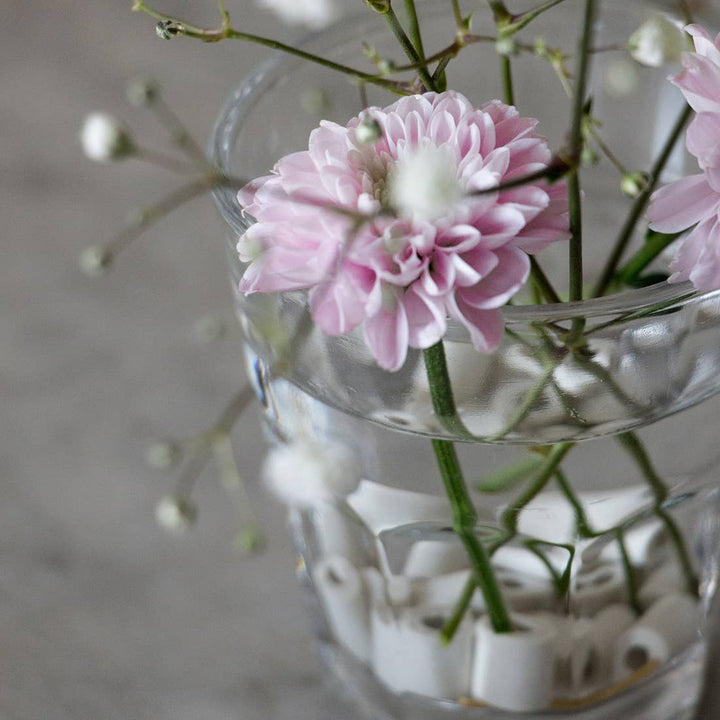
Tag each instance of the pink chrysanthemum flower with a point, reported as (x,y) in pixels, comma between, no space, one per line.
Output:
(402,275)
(695,200)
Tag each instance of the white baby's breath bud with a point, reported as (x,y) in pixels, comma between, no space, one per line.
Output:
(306,472)
(506,45)
(315,14)
(142,92)
(175,514)
(632,184)
(659,41)
(424,183)
(163,454)
(95,260)
(621,78)
(104,138)
(368,131)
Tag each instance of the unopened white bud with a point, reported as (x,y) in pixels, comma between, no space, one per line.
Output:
(104,138)
(368,131)
(142,92)
(632,184)
(424,183)
(163,454)
(95,260)
(175,514)
(659,41)
(305,472)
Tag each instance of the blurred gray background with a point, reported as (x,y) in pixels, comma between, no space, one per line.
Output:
(103,616)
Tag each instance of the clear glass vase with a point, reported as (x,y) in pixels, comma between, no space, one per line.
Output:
(592,463)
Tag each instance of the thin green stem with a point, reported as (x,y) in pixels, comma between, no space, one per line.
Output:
(461,607)
(521,20)
(441,392)
(528,403)
(575,149)
(464,520)
(507,81)
(180,134)
(581,522)
(161,160)
(414,24)
(512,513)
(178,27)
(541,279)
(409,49)
(630,575)
(640,203)
(654,244)
(631,443)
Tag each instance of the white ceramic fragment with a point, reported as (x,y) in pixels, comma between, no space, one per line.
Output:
(604,632)
(428,558)
(407,655)
(340,534)
(514,671)
(666,629)
(524,592)
(668,579)
(345,597)
(600,586)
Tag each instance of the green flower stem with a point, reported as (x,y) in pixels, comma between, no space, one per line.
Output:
(151,214)
(507,81)
(409,49)
(640,203)
(547,470)
(541,280)
(521,20)
(637,451)
(464,514)
(181,136)
(630,575)
(575,149)
(414,24)
(226,31)
(654,244)
(691,580)
(441,392)
(581,521)
(205,441)
(528,403)
(501,14)
(464,521)
(632,444)
(461,607)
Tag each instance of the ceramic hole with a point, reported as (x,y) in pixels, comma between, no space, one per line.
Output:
(636,657)
(434,622)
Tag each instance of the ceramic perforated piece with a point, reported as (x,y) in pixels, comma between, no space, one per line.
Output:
(407,655)
(345,597)
(338,533)
(428,558)
(600,586)
(668,579)
(524,592)
(511,670)
(666,629)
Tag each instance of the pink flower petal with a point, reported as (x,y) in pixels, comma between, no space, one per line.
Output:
(387,335)
(681,204)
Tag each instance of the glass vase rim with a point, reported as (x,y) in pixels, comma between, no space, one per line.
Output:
(240,103)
